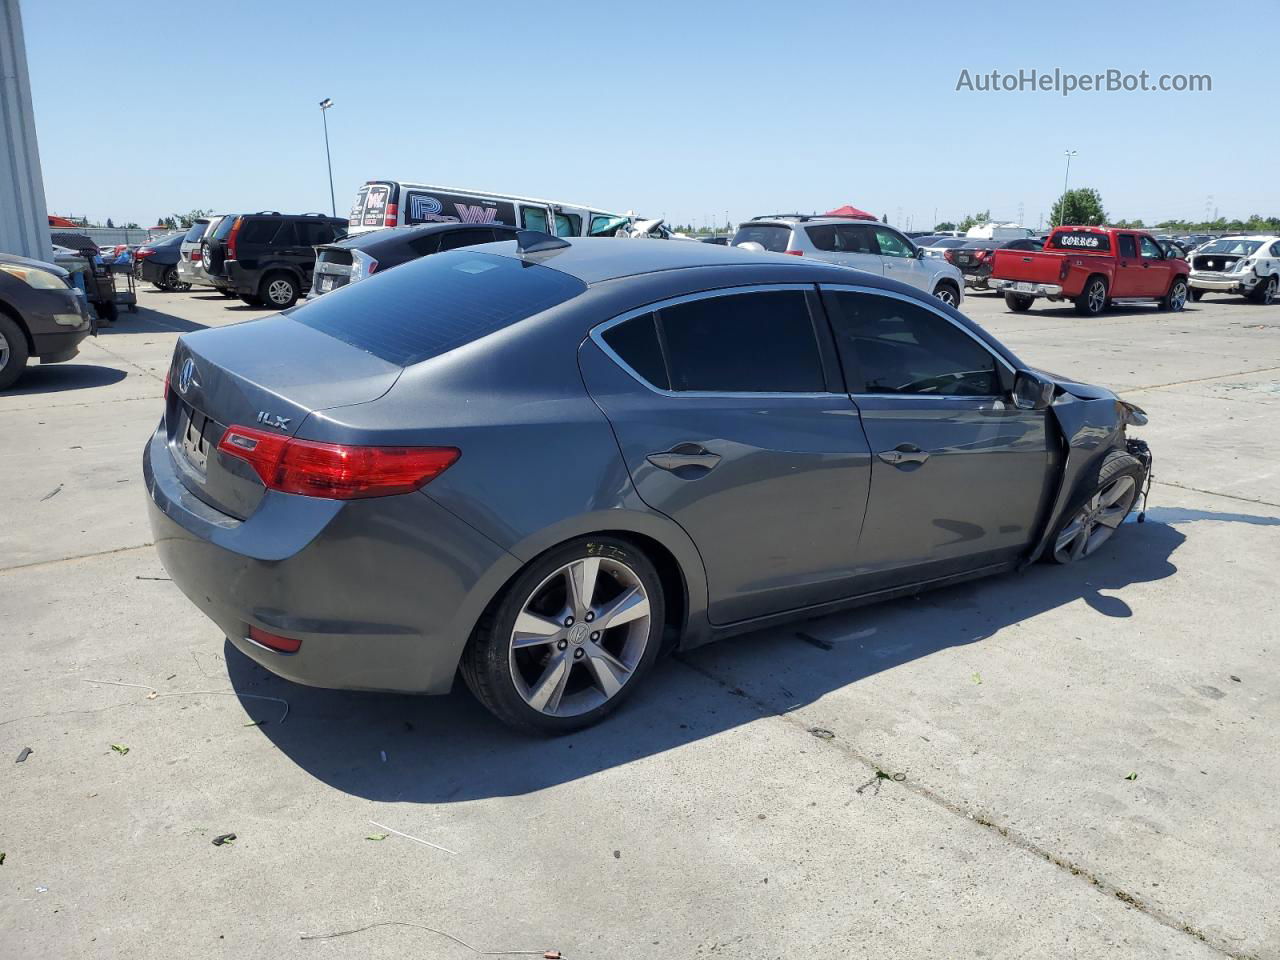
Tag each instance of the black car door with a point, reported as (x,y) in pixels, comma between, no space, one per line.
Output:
(960,477)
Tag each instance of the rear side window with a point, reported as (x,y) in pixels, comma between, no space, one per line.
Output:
(893,346)
(774,237)
(433,305)
(1127,247)
(312,232)
(224,227)
(741,343)
(464,238)
(568,225)
(260,231)
(196,231)
(1080,240)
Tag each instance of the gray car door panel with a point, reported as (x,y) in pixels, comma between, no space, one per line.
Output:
(770,487)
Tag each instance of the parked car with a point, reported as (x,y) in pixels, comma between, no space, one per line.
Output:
(1246,266)
(266,258)
(975,257)
(940,245)
(191,253)
(866,245)
(355,258)
(1092,267)
(392,203)
(370,491)
(42,314)
(157,262)
(999,231)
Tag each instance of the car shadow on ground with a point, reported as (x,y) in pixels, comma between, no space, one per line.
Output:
(60,377)
(148,320)
(449,749)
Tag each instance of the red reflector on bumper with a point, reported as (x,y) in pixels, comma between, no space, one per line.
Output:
(274,641)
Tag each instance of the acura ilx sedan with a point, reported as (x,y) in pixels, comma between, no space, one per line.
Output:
(540,462)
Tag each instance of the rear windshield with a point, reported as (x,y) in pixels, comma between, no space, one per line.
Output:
(431,306)
(1232,247)
(770,236)
(196,231)
(224,228)
(1080,240)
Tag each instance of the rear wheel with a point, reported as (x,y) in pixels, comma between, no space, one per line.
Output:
(278,290)
(1266,290)
(170,279)
(1176,298)
(1093,300)
(1096,518)
(1018,302)
(13,352)
(569,638)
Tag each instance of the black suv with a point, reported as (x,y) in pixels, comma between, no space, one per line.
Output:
(266,258)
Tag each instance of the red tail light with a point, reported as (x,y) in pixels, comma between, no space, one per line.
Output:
(335,471)
(143,252)
(393,215)
(794,253)
(231,238)
(197,255)
(275,641)
(949,255)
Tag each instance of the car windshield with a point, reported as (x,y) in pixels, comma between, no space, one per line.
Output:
(771,236)
(469,296)
(1232,247)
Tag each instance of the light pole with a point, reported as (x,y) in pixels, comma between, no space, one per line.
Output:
(325,104)
(1063,212)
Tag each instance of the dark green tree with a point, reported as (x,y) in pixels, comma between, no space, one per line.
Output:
(1079,207)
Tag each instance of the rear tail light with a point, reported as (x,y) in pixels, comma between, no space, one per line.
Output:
(274,641)
(794,253)
(231,238)
(196,255)
(335,471)
(362,265)
(949,255)
(393,215)
(143,252)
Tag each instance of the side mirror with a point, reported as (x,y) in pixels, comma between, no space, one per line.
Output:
(1031,391)
(919,253)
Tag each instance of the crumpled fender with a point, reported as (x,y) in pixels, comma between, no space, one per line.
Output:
(1089,428)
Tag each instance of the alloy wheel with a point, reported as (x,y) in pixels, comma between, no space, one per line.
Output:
(1269,292)
(279,291)
(1178,299)
(1097,296)
(4,352)
(946,295)
(580,636)
(1095,521)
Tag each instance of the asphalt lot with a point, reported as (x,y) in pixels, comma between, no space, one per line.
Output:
(705,819)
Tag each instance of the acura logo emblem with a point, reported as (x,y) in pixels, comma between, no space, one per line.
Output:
(187,376)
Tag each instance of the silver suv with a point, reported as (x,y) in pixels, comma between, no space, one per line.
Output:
(865,245)
(190,266)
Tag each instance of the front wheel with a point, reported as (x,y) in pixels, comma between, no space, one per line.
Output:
(570,637)
(1093,300)
(13,352)
(1176,298)
(1265,291)
(1018,302)
(947,293)
(1098,516)
(279,291)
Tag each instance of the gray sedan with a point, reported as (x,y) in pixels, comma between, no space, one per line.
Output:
(540,462)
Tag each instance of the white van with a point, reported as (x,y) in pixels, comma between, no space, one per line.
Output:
(398,203)
(999,231)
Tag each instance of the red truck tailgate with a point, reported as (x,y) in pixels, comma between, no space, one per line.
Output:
(1027,265)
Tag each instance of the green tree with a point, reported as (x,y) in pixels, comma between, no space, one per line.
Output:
(885,218)
(974,220)
(944,225)
(110,225)
(1079,207)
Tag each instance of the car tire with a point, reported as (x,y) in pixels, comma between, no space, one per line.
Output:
(1266,290)
(1196,294)
(947,293)
(279,291)
(560,675)
(1093,301)
(1018,302)
(13,351)
(183,287)
(1176,298)
(251,299)
(170,280)
(1097,514)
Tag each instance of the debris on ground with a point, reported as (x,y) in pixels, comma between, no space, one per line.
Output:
(617,854)
(170,579)
(2,856)
(1235,678)
(377,836)
(52,493)
(425,843)
(42,889)
(977,678)
(26,752)
(817,642)
(821,733)
(153,694)
(1132,776)
(224,839)
(545,954)
(881,776)
(120,748)
(255,723)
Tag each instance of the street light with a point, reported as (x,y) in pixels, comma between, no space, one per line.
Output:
(1063,212)
(325,104)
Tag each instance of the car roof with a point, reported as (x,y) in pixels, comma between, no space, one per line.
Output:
(791,219)
(383,235)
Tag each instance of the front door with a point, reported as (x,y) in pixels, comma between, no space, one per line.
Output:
(1127,281)
(898,258)
(1157,269)
(730,422)
(959,476)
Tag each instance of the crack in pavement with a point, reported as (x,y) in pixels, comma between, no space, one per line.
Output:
(1214,493)
(1019,840)
(1179,383)
(79,556)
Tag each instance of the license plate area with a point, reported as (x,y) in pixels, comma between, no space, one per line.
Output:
(1022,287)
(326,283)
(192,435)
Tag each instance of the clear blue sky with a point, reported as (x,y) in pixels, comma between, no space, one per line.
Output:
(685,109)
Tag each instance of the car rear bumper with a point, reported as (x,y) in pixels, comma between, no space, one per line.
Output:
(153,272)
(239,279)
(191,272)
(1223,284)
(383,593)
(1027,288)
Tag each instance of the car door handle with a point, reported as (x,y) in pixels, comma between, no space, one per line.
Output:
(684,455)
(903,453)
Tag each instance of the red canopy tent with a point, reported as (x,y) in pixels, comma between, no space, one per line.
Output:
(848,210)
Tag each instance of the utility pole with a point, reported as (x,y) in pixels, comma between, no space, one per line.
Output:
(325,104)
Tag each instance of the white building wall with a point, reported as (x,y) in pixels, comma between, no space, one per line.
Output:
(24,223)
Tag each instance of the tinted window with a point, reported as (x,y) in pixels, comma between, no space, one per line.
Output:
(430,306)
(1232,246)
(425,245)
(568,225)
(892,244)
(196,231)
(889,345)
(464,238)
(636,342)
(1023,245)
(1275,249)
(770,236)
(841,238)
(259,231)
(1127,246)
(744,343)
(224,227)
(312,232)
(1080,240)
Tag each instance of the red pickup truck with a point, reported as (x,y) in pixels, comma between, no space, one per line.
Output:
(1093,267)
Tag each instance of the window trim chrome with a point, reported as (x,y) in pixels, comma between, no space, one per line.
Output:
(597,336)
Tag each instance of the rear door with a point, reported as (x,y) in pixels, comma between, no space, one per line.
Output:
(732,424)
(959,476)
(849,244)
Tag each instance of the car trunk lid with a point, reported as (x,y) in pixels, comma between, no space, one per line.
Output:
(267,374)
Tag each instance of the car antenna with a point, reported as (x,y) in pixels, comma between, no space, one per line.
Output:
(534,241)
